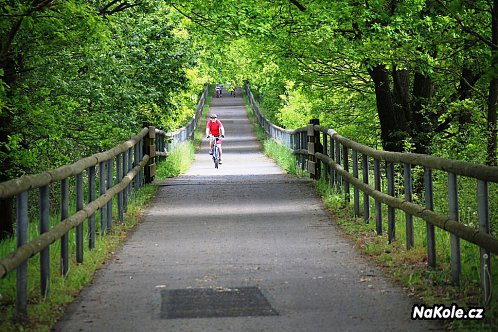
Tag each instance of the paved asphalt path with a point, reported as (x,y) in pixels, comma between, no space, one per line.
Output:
(246,224)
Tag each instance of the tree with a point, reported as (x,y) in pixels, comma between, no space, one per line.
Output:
(425,71)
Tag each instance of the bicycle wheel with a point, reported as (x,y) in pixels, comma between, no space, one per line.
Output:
(216,157)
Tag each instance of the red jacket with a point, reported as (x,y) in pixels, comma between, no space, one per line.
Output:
(214,127)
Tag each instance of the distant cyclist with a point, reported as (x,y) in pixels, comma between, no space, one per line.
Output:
(219,89)
(214,128)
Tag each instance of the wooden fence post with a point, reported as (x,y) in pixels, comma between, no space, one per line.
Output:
(456,261)
(150,149)
(314,146)
(484,226)
(22,270)
(64,263)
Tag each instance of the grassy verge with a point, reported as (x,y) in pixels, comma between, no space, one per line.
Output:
(407,268)
(283,157)
(177,162)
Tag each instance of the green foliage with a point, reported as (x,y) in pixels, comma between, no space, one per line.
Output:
(280,153)
(87,81)
(81,78)
(327,51)
(177,162)
(296,111)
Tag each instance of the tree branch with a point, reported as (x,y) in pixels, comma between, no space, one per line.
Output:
(106,10)
(467,29)
(194,19)
(6,44)
(298,5)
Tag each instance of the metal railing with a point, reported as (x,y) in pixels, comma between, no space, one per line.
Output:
(323,152)
(167,141)
(116,172)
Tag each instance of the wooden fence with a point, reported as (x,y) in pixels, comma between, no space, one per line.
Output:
(116,172)
(325,153)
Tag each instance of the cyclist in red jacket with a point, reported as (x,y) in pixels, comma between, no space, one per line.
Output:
(214,127)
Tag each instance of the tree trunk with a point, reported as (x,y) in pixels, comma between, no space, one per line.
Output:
(493,90)
(6,218)
(9,64)
(422,132)
(491,121)
(393,122)
(401,89)
(6,215)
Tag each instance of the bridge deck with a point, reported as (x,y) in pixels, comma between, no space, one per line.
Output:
(241,248)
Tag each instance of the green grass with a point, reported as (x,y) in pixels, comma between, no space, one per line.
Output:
(283,157)
(178,161)
(182,156)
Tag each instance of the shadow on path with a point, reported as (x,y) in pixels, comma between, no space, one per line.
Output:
(241,248)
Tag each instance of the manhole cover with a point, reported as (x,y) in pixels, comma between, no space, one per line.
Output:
(207,302)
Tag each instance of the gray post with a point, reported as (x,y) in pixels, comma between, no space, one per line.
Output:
(314,146)
(141,157)
(150,149)
(22,270)
(125,171)
(130,167)
(366,198)
(391,212)
(408,197)
(110,165)
(91,198)
(429,204)
(102,189)
(303,146)
(136,160)
(356,192)
(326,168)
(454,240)
(345,160)
(483,213)
(79,228)
(64,238)
(378,206)
(333,179)
(338,162)
(119,176)
(45,253)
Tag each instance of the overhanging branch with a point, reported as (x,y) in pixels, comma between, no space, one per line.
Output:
(467,29)
(298,5)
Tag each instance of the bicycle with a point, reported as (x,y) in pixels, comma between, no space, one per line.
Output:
(216,150)
(219,89)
